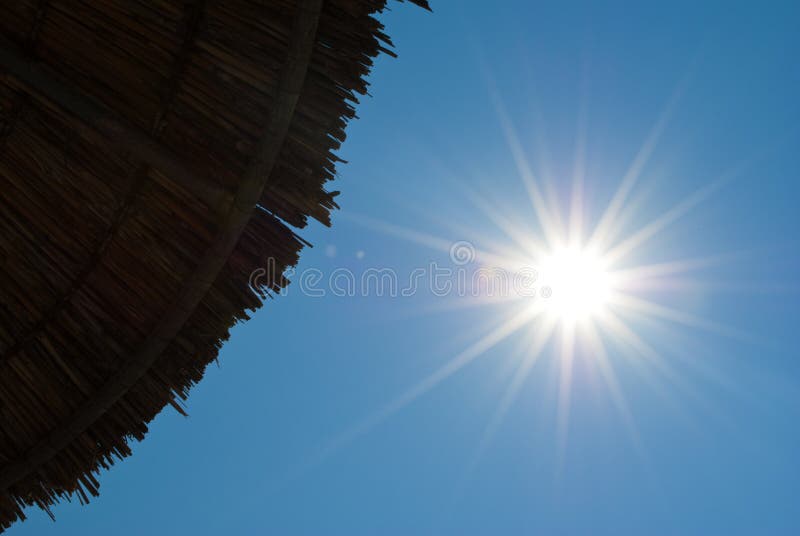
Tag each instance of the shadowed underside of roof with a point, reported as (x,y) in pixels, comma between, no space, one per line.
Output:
(152,155)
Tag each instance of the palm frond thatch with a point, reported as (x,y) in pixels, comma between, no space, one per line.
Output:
(152,154)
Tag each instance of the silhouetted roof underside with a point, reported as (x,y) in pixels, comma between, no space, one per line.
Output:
(152,155)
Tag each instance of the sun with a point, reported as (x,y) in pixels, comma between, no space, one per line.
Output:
(579,284)
(576,284)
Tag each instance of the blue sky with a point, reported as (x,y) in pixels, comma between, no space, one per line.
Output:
(309,425)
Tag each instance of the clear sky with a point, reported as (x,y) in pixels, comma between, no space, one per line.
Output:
(354,414)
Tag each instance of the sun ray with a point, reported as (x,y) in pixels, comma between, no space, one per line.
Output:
(701,367)
(411,235)
(462,303)
(503,255)
(423,239)
(496,315)
(635,169)
(607,372)
(640,305)
(522,357)
(522,318)
(542,211)
(575,231)
(542,335)
(445,221)
(658,270)
(677,394)
(567,354)
(513,230)
(648,231)
(622,333)
(576,209)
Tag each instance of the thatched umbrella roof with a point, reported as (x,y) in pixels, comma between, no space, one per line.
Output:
(152,154)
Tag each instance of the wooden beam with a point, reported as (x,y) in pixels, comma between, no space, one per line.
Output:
(197,284)
(94,116)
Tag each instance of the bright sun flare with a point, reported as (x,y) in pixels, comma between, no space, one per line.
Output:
(591,287)
(577,282)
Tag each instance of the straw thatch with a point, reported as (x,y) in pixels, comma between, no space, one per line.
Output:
(153,153)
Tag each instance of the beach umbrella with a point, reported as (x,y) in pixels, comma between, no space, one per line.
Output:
(152,155)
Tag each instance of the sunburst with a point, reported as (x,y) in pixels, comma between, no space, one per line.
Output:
(589,289)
